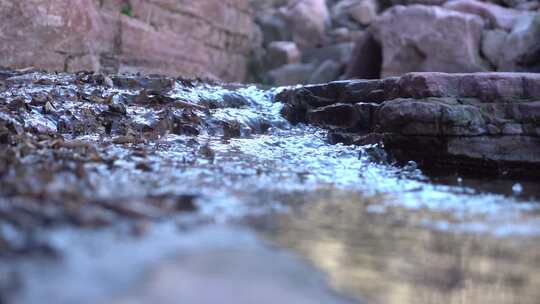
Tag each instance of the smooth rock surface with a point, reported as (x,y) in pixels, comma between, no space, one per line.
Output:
(295,73)
(420,38)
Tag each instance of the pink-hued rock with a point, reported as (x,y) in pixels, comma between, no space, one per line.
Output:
(521,51)
(421,38)
(494,15)
(190,38)
(361,11)
(488,87)
(281,53)
(44,33)
(307,20)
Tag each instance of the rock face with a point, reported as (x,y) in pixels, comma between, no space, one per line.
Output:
(147,36)
(483,123)
(423,38)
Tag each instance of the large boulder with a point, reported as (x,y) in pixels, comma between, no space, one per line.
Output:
(424,38)
(327,71)
(147,36)
(307,21)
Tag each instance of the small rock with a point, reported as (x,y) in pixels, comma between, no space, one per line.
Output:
(365,11)
(273,27)
(231,130)
(108,81)
(281,53)
(186,203)
(207,152)
(118,108)
(291,74)
(340,53)
(362,12)
(420,38)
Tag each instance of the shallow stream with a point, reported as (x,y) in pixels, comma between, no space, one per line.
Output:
(284,217)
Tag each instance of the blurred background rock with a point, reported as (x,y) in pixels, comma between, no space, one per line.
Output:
(379,38)
(273,42)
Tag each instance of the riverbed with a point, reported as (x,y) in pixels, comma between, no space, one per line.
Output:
(240,206)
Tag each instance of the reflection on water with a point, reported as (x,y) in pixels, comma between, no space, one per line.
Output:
(390,255)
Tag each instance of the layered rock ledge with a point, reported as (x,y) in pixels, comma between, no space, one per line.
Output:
(480,123)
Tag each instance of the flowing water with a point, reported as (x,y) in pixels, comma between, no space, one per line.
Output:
(284,217)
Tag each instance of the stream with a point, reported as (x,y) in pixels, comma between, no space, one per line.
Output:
(281,217)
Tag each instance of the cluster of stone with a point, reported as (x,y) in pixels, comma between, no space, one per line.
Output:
(481,123)
(309,41)
(317,41)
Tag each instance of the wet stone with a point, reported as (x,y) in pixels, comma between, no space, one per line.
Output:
(438,108)
(338,115)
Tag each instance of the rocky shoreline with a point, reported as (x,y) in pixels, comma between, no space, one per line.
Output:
(67,140)
(141,181)
(480,124)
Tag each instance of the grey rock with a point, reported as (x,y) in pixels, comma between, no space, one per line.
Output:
(291,74)
(282,52)
(273,27)
(493,44)
(328,71)
(340,53)
(354,13)
(425,38)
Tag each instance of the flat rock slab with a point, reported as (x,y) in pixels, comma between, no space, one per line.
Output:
(481,123)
